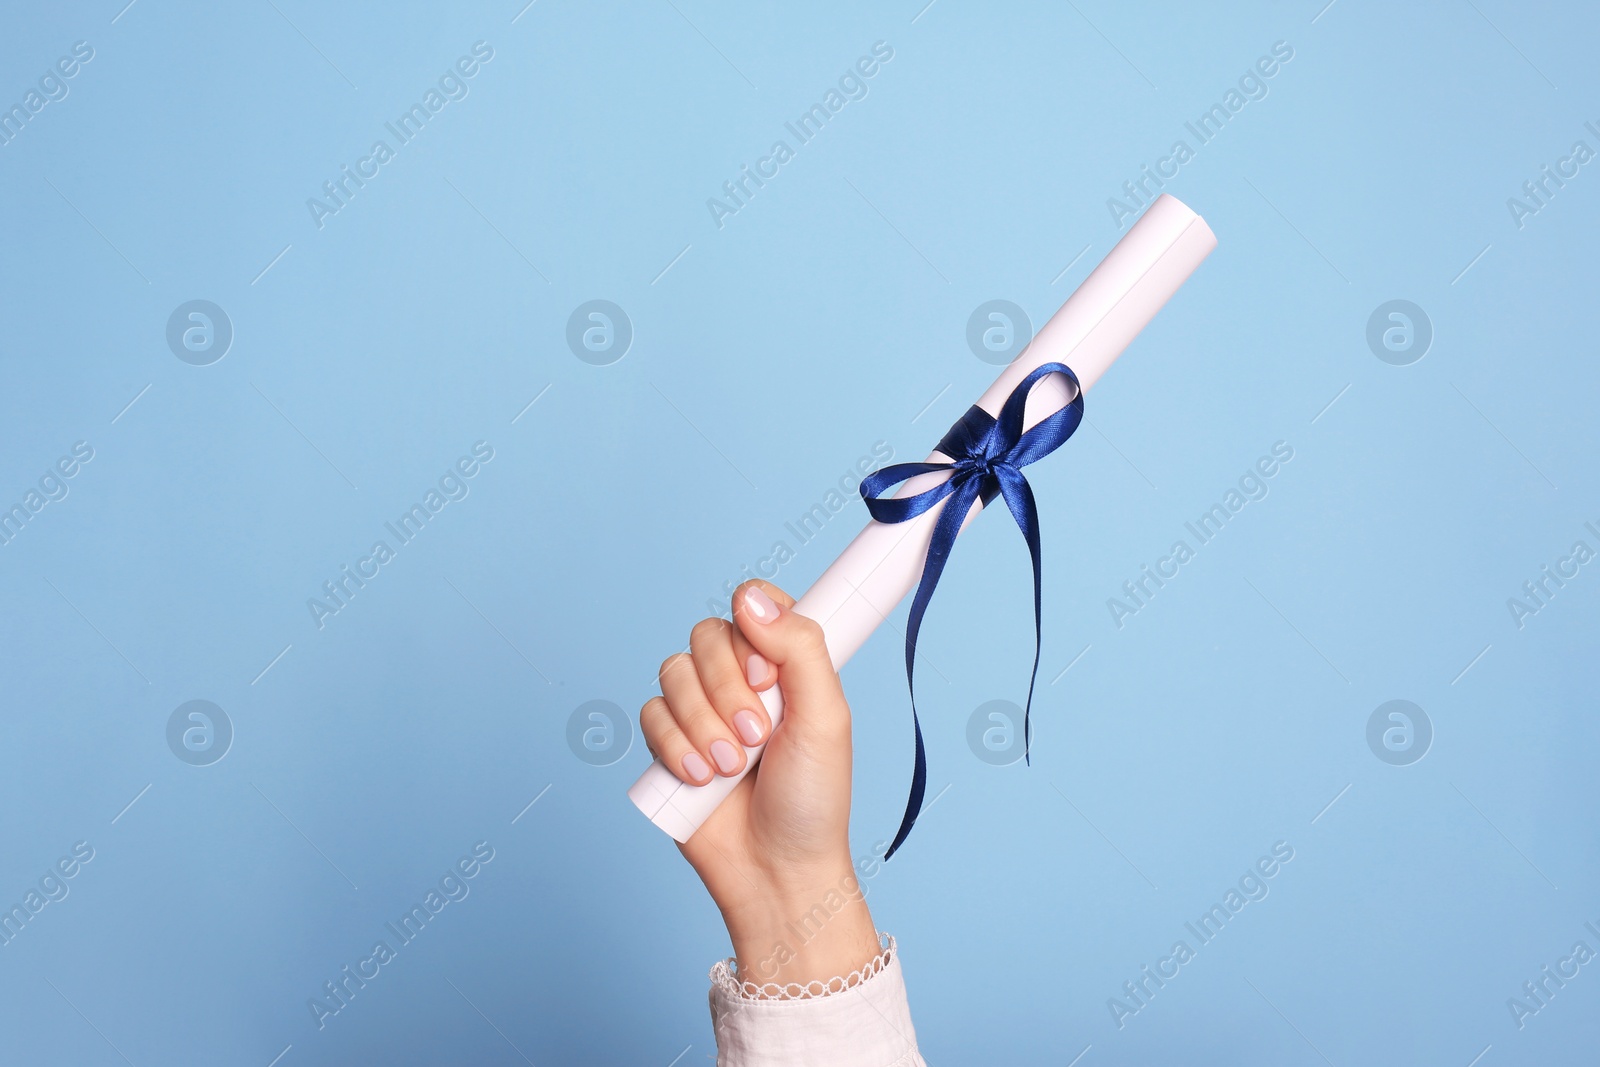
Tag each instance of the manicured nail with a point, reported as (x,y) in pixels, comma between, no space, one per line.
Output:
(756,668)
(726,755)
(760,605)
(749,727)
(695,767)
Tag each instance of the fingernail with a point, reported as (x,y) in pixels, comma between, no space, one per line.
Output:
(760,605)
(749,727)
(756,668)
(726,755)
(695,767)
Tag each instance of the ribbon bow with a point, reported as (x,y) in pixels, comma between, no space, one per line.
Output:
(987,455)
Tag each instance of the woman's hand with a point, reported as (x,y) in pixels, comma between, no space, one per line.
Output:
(775,856)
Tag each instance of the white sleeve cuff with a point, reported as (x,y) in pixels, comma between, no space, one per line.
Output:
(858,1020)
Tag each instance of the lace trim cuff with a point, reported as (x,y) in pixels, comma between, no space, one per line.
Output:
(725,976)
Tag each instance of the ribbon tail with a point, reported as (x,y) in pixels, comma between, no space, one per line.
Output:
(945,528)
(919,786)
(1019,498)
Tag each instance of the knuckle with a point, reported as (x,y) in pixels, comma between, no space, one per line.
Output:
(808,633)
(729,695)
(650,714)
(698,718)
(676,661)
(706,629)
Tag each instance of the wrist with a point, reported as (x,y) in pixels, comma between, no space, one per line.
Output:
(801,935)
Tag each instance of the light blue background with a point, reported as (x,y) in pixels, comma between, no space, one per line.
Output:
(769,355)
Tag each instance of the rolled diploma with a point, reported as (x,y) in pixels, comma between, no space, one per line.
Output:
(884,562)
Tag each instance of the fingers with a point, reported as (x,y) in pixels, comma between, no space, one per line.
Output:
(713,738)
(758,670)
(663,737)
(709,710)
(723,678)
(794,645)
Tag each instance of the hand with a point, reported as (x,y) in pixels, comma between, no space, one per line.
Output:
(775,856)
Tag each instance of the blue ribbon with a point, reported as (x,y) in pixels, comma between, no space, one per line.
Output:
(987,455)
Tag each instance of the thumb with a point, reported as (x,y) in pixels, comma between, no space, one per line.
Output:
(794,643)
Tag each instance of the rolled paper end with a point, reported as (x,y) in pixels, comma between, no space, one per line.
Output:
(1118,298)
(680,808)
(653,795)
(876,570)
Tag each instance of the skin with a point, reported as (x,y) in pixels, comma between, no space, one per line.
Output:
(779,846)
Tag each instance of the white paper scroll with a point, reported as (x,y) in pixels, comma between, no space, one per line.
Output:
(884,562)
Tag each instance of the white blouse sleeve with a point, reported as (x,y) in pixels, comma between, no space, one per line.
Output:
(857,1020)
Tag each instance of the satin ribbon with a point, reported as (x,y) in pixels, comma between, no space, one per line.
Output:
(987,456)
